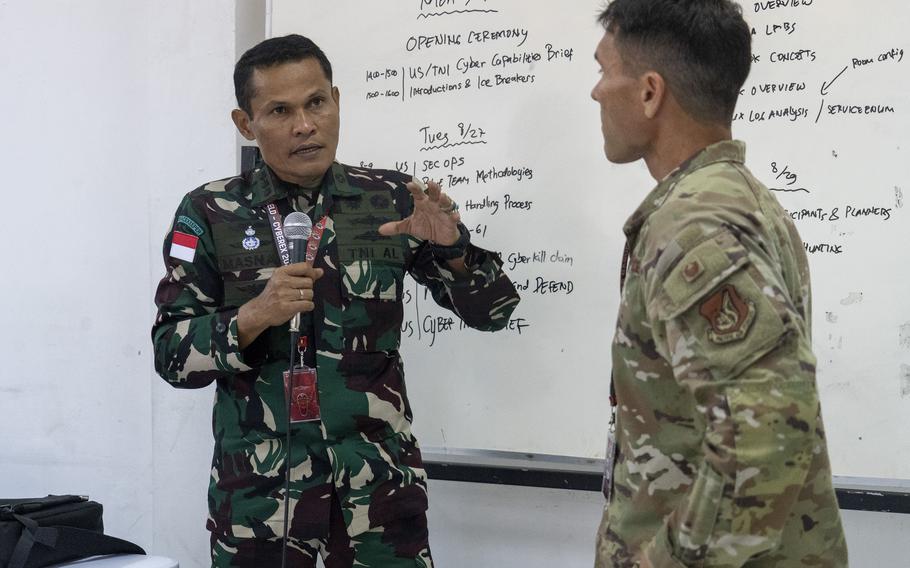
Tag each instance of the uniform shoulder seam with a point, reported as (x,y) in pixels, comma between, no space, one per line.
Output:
(216,186)
(377,179)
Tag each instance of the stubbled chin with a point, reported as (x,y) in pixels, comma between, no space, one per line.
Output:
(303,173)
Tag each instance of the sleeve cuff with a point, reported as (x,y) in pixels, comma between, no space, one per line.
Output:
(483,268)
(226,343)
(659,551)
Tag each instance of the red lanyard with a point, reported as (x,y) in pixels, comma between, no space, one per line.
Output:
(281,243)
(312,245)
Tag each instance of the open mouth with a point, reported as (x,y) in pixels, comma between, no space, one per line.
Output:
(307,150)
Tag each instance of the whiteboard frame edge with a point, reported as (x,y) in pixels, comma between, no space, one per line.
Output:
(558,463)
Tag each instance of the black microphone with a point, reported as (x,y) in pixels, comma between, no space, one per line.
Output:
(297,229)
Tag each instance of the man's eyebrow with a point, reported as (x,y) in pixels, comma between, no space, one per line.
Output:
(320,91)
(317,92)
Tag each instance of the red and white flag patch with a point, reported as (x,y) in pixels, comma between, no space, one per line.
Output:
(183,246)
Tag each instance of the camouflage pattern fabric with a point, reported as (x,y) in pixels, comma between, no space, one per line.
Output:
(363,449)
(721,457)
(402,543)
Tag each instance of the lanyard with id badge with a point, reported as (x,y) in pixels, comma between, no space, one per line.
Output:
(612,450)
(300,381)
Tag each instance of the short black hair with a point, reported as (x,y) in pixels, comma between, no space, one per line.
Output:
(271,52)
(702,49)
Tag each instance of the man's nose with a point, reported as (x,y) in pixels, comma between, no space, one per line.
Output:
(304,125)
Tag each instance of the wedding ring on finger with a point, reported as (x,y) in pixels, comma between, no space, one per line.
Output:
(302,297)
(453,207)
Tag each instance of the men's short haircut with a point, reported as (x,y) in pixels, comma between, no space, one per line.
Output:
(271,52)
(702,49)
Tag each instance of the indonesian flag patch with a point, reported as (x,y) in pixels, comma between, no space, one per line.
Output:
(183,246)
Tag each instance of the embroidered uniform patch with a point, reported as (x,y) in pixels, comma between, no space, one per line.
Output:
(692,271)
(191,225)
(251,242)
(728,315)
(183,246)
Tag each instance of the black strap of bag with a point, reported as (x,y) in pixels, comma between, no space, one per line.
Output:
(44,545)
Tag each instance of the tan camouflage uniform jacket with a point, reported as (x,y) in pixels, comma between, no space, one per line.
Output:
(219,254)
(721,456)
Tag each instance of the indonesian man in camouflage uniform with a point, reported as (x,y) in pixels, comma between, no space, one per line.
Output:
(720,453)
(357,483)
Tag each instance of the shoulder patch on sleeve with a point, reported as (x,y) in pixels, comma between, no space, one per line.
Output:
(183,246)
(190,225)
(729,315)
(702,267)
(734,325)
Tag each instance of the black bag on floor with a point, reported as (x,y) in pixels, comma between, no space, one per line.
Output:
(53,529)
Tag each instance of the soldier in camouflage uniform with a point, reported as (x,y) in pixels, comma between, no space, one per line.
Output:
(357,483)
(720,456)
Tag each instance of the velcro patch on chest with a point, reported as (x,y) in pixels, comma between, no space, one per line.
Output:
(356,231)
(244,245)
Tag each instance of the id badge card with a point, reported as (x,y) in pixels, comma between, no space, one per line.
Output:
(610,457)
(300,388)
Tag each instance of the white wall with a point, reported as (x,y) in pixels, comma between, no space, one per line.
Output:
(111,111)
(206,148)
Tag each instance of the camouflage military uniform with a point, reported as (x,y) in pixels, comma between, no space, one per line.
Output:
(362,450)
(721,456)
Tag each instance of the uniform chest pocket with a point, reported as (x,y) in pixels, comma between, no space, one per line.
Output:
(246,258)
(373,311)
(371,270)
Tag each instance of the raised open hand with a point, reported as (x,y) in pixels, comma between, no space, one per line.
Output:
(435,217)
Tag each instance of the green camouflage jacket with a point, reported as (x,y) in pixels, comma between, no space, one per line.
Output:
(721,457)
(219,254)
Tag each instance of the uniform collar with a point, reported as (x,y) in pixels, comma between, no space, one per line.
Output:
(724,151)
(266,187)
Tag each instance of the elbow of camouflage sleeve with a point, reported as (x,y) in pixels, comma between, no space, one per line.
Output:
(169,368)
(485,298)
(489,316)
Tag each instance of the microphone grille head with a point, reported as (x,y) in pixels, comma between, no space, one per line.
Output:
(298,226)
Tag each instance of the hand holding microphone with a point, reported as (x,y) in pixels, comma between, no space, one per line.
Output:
(297,230)
(289,291)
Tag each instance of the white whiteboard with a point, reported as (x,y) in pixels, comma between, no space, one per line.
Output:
(475,86)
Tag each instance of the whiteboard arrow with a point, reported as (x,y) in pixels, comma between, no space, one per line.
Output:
(826,86)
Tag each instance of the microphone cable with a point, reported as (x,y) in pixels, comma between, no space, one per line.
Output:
(287,464)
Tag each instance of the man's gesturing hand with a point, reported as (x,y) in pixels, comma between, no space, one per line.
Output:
(434,217)
(288,292)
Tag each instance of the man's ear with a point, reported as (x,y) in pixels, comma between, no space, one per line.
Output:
(336,94)
(653,93)
(242,122)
